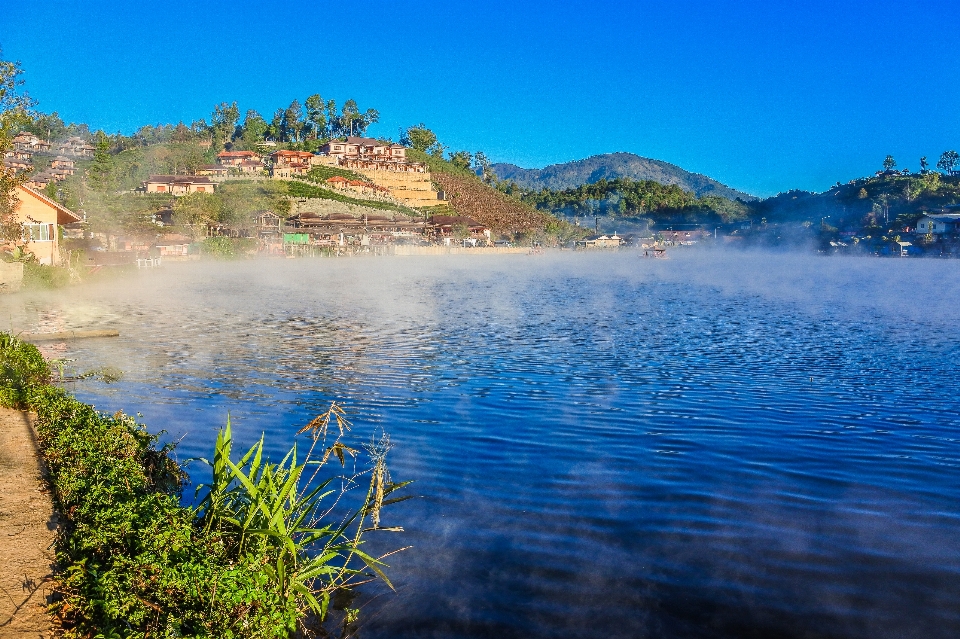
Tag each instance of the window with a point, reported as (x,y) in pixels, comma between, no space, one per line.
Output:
(39,232)
(161,189)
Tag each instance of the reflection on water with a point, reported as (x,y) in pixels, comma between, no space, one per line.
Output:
(711,446)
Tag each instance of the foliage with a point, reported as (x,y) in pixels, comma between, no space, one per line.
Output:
(639,199)
(301,189)
(260,556)
(40,276)
(419,137)
(226,248)
(889,163)
(22,368)
(14,113)
(948,160)
(322,173)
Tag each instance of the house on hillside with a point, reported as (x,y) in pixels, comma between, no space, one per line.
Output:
(285,164)
(25,141)
(939,224)
(16,165)
(39,181)
(252,167)
(63,163)
(235,158)
(356,147)
(75,147)
(42,218)
(178,184)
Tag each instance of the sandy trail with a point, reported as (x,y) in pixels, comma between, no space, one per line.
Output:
(27,524)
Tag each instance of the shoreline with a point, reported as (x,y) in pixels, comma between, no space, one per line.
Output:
(27,528)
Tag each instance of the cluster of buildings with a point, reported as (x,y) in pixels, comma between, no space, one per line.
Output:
(60,158)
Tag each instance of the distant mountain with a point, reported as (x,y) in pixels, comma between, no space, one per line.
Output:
(569,175)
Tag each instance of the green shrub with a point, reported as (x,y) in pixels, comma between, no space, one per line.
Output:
(39,276)
(254,559)
(227,248)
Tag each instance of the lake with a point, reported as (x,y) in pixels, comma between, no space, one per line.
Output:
(716,445)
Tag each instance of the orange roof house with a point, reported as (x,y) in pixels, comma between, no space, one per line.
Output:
(41,218)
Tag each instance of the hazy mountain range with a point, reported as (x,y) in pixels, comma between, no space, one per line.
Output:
(570,175)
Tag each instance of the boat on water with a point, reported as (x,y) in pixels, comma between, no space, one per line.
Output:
(655,252)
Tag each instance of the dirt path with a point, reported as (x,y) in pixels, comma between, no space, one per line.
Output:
(27,523)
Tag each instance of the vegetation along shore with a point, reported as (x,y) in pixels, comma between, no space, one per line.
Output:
(268,550)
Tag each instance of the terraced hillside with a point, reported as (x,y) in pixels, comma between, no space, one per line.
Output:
(469,196)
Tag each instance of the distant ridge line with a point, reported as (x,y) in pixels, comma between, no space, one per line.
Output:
(569,175)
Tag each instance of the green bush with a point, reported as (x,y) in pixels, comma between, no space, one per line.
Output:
(255,559)
(227,248)
(39,276)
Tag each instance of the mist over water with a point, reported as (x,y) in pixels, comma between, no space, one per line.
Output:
(717,445)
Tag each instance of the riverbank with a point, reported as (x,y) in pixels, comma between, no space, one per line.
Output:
(27,531)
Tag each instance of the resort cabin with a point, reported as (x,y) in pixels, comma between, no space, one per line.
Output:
(236,158)
(42,218)
(29,142)
(252,167)
(356,147)
(178,184)
(76,147)
(288,163)
(939,223)
(63,163)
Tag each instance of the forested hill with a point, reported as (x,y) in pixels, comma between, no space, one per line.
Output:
(558,177)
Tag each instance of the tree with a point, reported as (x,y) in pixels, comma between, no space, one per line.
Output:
(923,164)
(15,112)
(100,172)
(482,166)
(254,129)
(889,163)
(276,131)
(349,115)
(316,116)
(418,137)
(293,122)
(331,107)
(948,160)
(863,194)
(223,123)
(461,160)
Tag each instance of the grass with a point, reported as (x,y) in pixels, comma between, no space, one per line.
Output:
(322,173)
(297,188)
(262,555)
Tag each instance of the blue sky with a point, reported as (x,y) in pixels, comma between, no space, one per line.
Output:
(763,96)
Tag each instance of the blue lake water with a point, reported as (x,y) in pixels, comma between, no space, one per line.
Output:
(715,445)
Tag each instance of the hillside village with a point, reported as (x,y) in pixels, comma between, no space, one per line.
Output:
(351,194)
(301,187)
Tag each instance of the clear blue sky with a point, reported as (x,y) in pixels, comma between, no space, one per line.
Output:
(763,95)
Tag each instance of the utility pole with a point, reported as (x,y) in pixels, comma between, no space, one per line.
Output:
(597,225)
